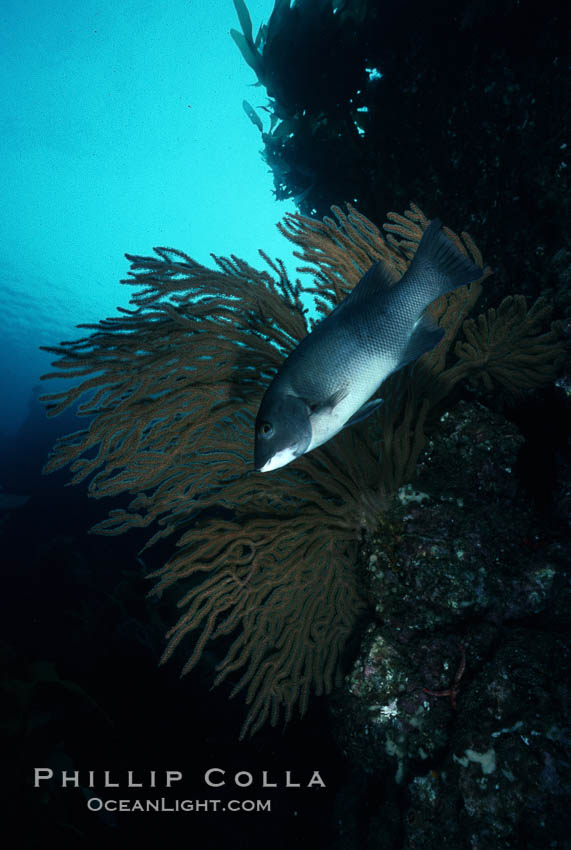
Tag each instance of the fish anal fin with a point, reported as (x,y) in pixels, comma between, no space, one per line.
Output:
(425,337)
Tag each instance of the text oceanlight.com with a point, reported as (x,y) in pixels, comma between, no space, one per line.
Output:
(96,804)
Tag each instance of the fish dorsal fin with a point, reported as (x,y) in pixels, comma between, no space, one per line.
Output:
(380,278)
(424,337)
(438,257)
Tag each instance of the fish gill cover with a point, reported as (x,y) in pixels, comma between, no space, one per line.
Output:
(172,387)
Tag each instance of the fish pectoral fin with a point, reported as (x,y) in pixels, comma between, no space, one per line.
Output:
(328,403)
(364,411)
(425,337)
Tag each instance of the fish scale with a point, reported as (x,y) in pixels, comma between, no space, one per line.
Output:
(327,381)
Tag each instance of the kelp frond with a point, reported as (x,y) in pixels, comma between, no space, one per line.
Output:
(245,40)
(173,386)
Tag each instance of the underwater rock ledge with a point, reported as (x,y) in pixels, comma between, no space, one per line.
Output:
(470,604)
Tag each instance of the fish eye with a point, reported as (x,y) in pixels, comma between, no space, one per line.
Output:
(266,429)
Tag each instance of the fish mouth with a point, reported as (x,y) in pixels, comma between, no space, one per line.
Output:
(277,460)
(269,465)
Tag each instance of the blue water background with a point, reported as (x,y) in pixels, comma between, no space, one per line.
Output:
(121,128)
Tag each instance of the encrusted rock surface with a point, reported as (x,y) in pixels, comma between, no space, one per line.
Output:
(469,597)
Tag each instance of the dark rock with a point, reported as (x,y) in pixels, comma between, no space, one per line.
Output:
(458,694)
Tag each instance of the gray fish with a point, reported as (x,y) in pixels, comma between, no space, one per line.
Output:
(326,382)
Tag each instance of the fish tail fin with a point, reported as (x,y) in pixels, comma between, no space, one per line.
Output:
(438,260)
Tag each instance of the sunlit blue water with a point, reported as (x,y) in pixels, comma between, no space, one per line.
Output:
(121,128)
